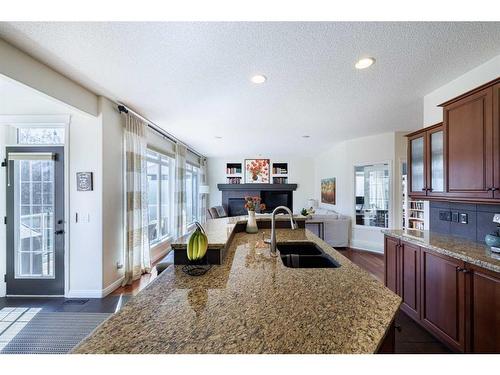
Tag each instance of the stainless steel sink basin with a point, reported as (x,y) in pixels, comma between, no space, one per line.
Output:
(299,248)
(305,255)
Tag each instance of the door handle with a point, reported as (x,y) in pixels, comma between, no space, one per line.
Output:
(61,231)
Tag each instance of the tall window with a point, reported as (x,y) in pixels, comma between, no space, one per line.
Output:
(372,195)
(160,209)
(192,196)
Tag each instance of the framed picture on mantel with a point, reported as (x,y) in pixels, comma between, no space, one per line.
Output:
(257,171)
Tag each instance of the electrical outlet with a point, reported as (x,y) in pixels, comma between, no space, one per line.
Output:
(445,215)
(119,265)
(454,217)
(464,218)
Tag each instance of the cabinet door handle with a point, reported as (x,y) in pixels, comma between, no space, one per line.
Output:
(489,189)
(494,189)
(429,189)
(424,189)
(463,270)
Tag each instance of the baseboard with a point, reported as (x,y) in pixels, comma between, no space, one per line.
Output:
(112,287)
(368,246)
(95,293)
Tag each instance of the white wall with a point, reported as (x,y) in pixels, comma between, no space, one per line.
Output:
(85,236)
(478,76)
(112,194)
(300,172)
(21,67)
(339,162)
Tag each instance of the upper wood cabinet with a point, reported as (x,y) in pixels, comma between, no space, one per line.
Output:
(496,140)
(426,162)
(459,159)
(468,125)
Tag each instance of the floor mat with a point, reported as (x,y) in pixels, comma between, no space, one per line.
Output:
(31,331)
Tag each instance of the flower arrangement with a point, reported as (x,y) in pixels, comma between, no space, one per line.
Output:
(251,203)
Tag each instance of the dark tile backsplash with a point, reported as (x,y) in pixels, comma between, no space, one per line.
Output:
(479,219)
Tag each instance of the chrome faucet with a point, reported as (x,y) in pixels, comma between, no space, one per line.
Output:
(273,226)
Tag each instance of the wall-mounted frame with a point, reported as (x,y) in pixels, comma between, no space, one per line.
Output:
(257,171)
(84,181)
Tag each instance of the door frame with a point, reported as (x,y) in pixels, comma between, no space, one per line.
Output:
(40,121)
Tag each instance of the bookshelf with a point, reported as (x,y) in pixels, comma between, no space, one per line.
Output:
(234,173)
(416,215)
(279,173)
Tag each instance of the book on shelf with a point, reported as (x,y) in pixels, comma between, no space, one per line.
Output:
(277,170)
(234,180)
(233,170)
(280,180)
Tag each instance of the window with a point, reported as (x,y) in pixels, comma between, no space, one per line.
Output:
(192,200)
(40,136)
(160,209)
(372,195)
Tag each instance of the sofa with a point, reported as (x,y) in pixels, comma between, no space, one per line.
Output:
(336,226)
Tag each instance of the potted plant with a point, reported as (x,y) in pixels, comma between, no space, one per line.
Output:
(251,203)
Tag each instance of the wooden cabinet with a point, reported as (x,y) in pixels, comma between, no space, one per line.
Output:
(496,141)
(468,124)
(409,278)
(443,298)
(460,159)
(391,263)
(484,302)
(426,162)
(455,301)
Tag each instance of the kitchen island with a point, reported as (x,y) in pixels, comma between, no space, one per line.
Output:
(252,303)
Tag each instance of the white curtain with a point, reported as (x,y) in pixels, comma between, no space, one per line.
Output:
(203,197)
(180,189)
(137,257)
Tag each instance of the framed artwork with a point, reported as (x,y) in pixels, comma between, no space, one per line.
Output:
(257,171)
(328,190)
(84,181)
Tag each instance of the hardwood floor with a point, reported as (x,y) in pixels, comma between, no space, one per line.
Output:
(369,261)
(136,286)
(411,338)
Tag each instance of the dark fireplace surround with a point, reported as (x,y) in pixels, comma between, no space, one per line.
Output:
(272,195)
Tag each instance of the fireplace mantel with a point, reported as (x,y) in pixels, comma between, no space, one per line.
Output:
(257,187)
(272,195)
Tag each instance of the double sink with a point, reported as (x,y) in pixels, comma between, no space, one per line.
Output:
(305,255)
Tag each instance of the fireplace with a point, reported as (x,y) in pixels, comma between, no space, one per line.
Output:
(272,195)
(236,207)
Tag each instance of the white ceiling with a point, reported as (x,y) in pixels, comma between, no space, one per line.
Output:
(193,78)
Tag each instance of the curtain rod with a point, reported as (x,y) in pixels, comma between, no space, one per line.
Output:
(156,128)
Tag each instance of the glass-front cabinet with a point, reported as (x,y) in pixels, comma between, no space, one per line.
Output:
(426,162)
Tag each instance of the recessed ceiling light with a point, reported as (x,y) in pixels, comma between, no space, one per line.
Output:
(365,63)
(218,136)
(306,136)
(258,78)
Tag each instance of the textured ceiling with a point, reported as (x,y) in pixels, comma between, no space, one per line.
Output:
(193,78)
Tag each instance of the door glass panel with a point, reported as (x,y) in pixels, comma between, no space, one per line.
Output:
(34,219)
(417,164)
(437,164)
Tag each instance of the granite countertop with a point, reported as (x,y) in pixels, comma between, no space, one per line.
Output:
(456,247)
(253,304)
(219,230)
